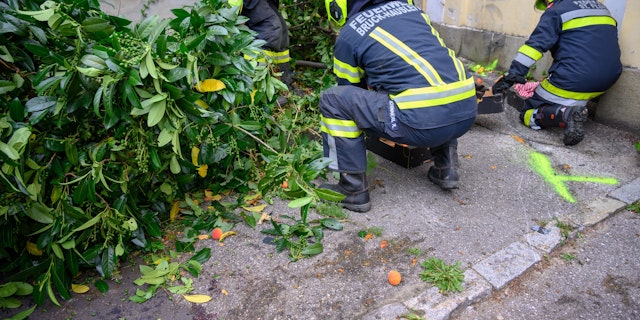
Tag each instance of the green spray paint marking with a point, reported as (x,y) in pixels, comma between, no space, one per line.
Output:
(542,165)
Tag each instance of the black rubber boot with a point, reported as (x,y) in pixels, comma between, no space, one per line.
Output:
(354,186)
(444,172)
(571,119)
(574,119)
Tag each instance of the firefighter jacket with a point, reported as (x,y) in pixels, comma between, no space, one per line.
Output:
(582,38)
(391,47)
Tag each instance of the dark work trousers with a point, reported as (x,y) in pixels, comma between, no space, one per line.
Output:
(373,113)
(267,21)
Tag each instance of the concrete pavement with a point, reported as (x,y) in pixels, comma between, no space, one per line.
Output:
(513,180)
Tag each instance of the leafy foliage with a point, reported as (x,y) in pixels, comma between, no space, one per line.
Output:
(104,125)
(448,278)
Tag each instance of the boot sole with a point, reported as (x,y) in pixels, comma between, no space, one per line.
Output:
(357,207)
(445,185)
(576,133)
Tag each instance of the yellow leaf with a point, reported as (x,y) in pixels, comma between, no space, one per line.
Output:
(202,170)
(253,95)
(32,248)
(203,236)
(197,298)
(202,104)
(255,208)
(174,210)
(79,288)
(210,85)
(195,151)
(226,234)
(208,196)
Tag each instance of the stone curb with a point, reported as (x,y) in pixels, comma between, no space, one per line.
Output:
(507,264)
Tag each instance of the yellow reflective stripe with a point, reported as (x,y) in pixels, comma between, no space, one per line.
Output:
(527,117)
(407,54)
(339,128)
(278,56)
(588,21)
(530,52)
(345,71)
(546,85)
(435,96)
(462,75)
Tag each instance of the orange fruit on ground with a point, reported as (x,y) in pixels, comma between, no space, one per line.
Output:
(216,233)
(394,277)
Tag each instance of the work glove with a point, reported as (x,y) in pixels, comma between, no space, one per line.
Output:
(505,82)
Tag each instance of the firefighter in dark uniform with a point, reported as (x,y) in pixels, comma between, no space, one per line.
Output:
(583,40)
(266,19)
(396,80)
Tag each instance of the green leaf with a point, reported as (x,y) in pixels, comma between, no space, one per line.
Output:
(251,125)
(329,195)
(24,314)
(61,280)
(176,74)
(7,86)
(41,213)
(331,223)
(40,103)
(108,261)
(156,113)
(297,203)
(24,289)
(8,289)
(9,151)
(202,256)
(101,285)
(9,303)
(312,249)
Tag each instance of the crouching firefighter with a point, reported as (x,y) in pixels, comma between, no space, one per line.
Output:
(396,80)
(582,38)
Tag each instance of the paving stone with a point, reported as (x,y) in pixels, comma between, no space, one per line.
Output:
(390,311)
(596,211)
(436,305)
(507,264)
(544,242)
(628,193)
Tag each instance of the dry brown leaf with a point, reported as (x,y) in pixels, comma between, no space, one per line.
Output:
(516,138)
(224,292)
(383,244)
(264,217)
(369,236)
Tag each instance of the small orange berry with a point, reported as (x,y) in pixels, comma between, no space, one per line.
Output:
(394,277)
(216,233)
(285,184)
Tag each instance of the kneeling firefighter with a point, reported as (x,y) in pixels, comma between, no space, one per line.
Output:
(582,38)
(396,80)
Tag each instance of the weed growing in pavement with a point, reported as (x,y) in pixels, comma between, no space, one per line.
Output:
(448,278)
(415,251)
(412,316)
(635,207)
(375,231)
(565,228)
(568,257)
